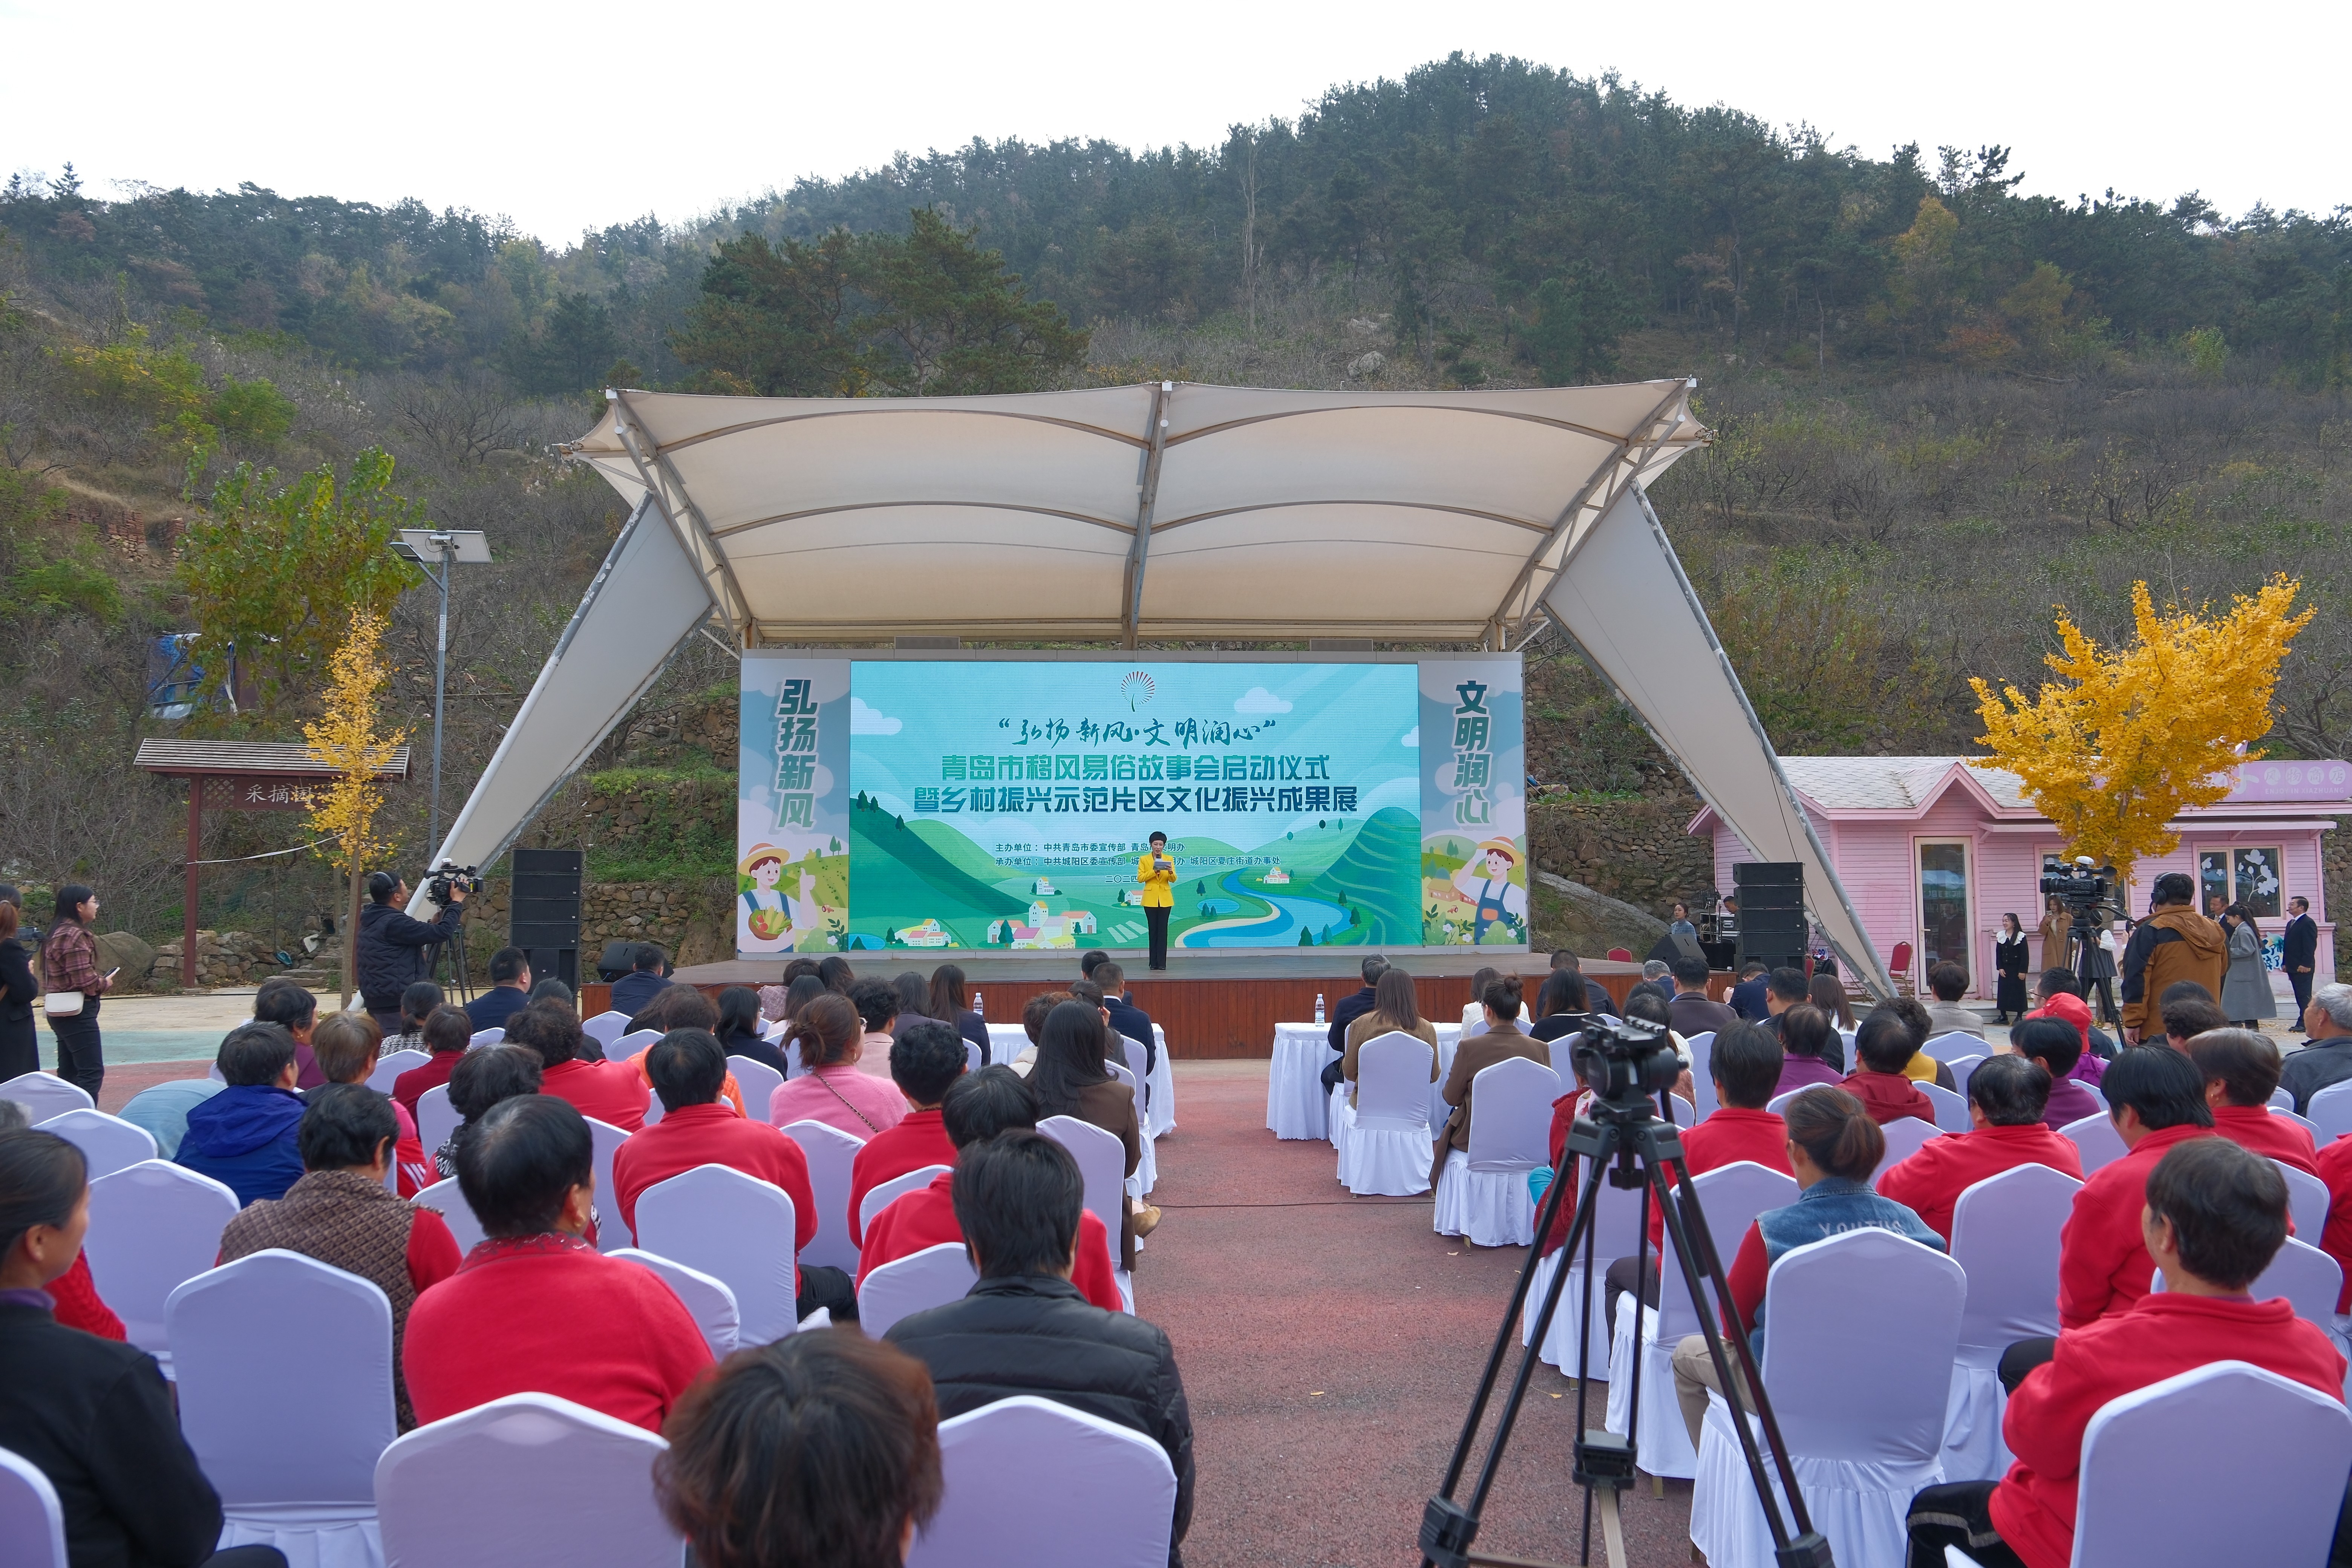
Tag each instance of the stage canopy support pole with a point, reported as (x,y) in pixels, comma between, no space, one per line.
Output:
(1148,497)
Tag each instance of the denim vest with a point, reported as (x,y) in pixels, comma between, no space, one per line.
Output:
(1832,1206)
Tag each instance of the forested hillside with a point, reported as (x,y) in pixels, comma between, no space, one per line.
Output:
(1941,408)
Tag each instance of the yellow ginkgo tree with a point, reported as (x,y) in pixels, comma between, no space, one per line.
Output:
(2127,737)
(345,738)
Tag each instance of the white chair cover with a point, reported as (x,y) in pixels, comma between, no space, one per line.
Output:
(1961,1067)
(704,1295)
(611,1234)
(1701,1050)
(879,1197)
(529,1479)
(1147,1168)
(735,1228)
(1138,1063)
(1951,1109)
(1163,1088)
(627,1046)
(153,1226)
(436,1117)
(1335,1110)
(2097,1138)
(2306,1200)
(973,1060)
(915,1283)
(1385,1136)
(1100,1158)
(1731,1196)
(2210,1439)
(757,1079)
(1949,1047)
(444,1198)
(830,1152)
(2284,1098)
(2306,1122)
(1859,1335)
(487,1037)
(2330,1111)
(43,1095)
(107,1142)
(2309,1279)
(1905,1135)
(389,1068)
(32,1521)
(1779,1104)
(2005,1238)
(604,1028)
(1482,1193)
(655,1109)
(1114,1493)
(289,1441)
(1616,1231)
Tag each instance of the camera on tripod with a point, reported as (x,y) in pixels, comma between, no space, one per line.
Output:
(1627,1060)
(2084,888)
(447,877)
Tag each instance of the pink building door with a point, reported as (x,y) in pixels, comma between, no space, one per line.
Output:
(1945,925)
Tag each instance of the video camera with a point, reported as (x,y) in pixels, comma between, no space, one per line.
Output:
(447,877)
(1629,1060)
(2084,888)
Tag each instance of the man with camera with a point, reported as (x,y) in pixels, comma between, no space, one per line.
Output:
(2175,943)
(393,950)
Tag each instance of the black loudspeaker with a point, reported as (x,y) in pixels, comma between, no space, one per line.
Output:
(1772,926)
(544,920)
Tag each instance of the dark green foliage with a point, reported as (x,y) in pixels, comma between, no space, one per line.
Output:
(1579,316)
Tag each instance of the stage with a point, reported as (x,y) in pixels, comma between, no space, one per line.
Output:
(1210,1003)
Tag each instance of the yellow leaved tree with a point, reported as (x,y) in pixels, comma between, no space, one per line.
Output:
(2127,737)
(345,738)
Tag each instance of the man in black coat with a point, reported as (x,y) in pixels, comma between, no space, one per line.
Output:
(2299,950)
(20,1051)
(1351,1008)
(1025,1330)
(394,950)
(632,991)
(1125,1016)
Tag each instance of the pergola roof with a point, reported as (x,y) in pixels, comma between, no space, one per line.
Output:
(279,759)
(1164,510)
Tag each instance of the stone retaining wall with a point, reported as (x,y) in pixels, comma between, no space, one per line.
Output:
(1634,850)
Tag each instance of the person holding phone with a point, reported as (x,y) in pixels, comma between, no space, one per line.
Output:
(72,985)
(1157,872)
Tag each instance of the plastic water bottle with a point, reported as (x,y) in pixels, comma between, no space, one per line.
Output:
(1319,1007)
(978,1005)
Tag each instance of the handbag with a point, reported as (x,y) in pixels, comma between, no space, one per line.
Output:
(62,1004)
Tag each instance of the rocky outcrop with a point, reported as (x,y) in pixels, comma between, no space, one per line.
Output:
(222,958)
(1634,850)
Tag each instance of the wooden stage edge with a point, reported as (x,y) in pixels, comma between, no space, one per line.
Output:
(1222,1006)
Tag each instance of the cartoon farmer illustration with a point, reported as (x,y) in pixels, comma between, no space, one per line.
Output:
(1485,881)
(774,921)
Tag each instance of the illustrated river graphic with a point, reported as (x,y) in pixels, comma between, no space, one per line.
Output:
(1292,913)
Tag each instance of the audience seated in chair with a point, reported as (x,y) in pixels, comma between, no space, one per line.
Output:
(1884,1047)
(925,1060)
(340,1213)
(1033,1014)
(93,1415)
(508,992)
(741,1033)
(2155,1097)
(1948,983)
(1023,1328)
(2006,1095)
(2334,1164)
(445,1033)
(347,1047)
(2241,1072)
(416,1005)
(484,1079)
(2053,1046)
(1691,1011)
(245,1135)
(2186,1018)
(698,1128)
(820,1448)
(1070,1078)
(2062,998)
(2215,1216)
(1833,1146)
(290,1004)
(1746,997)
(1349,1008)
(1810,1048)
(680,1008)
(73,1295)
(644,982)
(978,1107)
(1125,1017)
(832,1088)
(1922,1067)
(1396,1010)
(2325,1058)
(1499,1006)
(612,1092)
(534,1307)
(1784,988)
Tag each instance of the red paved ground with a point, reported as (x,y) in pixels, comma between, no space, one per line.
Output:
(1329,1344)
(127,1079)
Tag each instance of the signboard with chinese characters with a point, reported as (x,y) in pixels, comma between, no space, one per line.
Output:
(251,793)
(1004,803)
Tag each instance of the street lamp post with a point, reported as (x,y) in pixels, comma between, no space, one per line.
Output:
(447,547)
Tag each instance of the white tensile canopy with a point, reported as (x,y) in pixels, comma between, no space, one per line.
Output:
(1153,513)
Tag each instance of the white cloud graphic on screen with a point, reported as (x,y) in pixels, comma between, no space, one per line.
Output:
(1411,738)
(865,720)
(1258,700)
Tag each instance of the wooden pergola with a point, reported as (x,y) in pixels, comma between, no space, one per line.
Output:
(237,775)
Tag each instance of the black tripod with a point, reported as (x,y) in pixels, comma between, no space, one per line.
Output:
(1627,1141)
(457,986)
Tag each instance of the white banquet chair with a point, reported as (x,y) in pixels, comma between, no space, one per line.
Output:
(1384,1136)
(2005,1238)
(1163,1086)
(2282,1099)
(2330,1111)
(1731,1196)
(108,1143)
(1147,1168)
(627,1046)
(1617,1227)
(2306,1122)
(389,1068)
(881,1197)
(1482,1192)
(45,1095)
(436,1117)
(1961,1067)
(1953,1043)
(737,1229)
(1101,1159)
(2208,1439)
(1139,1064)
(153,1226)
(446,1198)
(757,1079)
(1905,1136)
(1701,1048)
(2306,1200)
(1859,1336)
(2309,1279)
(1951,1109)
(604,1028)
(830,1152)
(915,1283)
(704,1295)
(32,1520)
(290,1442)
(1114,1491)
(611,1234)
(490,1036)
(527,1478)
(2100,1144)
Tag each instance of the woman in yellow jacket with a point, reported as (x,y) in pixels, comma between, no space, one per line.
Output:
(1157,872)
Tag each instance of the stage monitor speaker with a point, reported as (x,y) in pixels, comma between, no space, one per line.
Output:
(1772,936)
(544,919)
(1767,874)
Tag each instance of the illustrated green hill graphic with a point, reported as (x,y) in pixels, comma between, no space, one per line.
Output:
(1379,872)
(895,868)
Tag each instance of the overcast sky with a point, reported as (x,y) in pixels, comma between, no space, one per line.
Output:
(574,116)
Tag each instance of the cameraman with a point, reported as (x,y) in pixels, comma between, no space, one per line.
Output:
(2175,943)
(393,950)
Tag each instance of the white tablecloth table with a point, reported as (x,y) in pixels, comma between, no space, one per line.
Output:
(1295,1096)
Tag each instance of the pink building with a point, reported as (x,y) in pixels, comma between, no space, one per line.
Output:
(1934,852)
